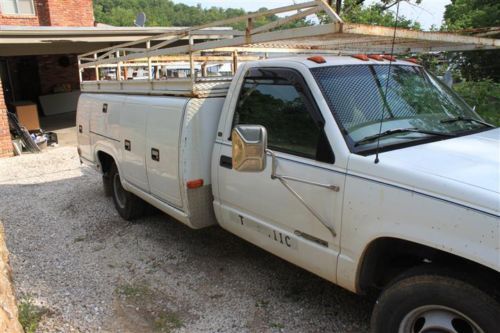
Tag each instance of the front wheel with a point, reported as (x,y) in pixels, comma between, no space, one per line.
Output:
(128,205)
(429,303)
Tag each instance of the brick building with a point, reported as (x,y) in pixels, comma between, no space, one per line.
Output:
(39,44)
(29,76)
(67,13)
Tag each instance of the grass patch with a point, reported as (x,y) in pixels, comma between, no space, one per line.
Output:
(262,303)
(278,326)
(30,315)
(134,290)
(166,322)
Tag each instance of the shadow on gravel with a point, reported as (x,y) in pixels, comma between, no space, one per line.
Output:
(225,257)
(197,278)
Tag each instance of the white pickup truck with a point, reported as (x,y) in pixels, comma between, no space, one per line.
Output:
(285,157)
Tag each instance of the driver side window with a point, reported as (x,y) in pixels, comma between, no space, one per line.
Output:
(284,110)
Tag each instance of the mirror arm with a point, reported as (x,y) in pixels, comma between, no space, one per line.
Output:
(283,180)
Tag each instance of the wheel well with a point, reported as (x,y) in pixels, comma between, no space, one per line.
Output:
(387,258)
(106,161)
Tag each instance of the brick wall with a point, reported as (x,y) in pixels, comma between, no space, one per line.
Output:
(69,13)
(52,73)
(5,140)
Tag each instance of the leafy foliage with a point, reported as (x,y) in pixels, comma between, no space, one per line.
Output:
(30,315)
(485,95)
(355,11)
(464,14)
(468,14)
(376,14)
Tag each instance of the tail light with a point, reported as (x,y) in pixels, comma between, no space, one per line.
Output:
(195,183)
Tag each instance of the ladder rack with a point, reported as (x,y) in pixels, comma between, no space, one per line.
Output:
(180,62)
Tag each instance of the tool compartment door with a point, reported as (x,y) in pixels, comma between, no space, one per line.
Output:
(164,119)
(133,141)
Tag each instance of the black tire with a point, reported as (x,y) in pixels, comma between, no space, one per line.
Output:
(129,206)
(107,185)
(405,305)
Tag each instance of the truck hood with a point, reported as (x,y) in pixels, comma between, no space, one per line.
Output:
(464,169)
(473,160)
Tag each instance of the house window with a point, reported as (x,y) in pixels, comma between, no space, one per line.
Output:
(20,7)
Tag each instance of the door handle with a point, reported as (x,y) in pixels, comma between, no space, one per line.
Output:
(105,108)
(155,154)
(80,129)
(128,145)
(226,162)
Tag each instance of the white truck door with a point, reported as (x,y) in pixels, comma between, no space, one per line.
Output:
(164,117)
(262,210)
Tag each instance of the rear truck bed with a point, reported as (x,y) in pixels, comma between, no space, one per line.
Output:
(162,146)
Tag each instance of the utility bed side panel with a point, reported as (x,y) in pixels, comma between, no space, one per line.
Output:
(199,132)
(164,121)
(198,137)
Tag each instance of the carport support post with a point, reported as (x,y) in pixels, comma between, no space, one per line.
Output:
(5,140)
(80,71)
(118,68)
(96,68)
(191,60)
(150,74)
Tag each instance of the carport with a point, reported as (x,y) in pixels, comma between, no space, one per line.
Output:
(38,66)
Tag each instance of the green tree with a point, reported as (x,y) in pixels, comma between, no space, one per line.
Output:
(480,69)
(356,11)
(465,14)
(168,13)
(470,14)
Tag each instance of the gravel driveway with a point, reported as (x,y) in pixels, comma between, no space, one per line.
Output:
(94,272)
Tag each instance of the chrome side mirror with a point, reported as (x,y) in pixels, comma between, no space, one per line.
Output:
(249,148)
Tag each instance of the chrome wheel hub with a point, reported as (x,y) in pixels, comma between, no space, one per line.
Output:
(437,319)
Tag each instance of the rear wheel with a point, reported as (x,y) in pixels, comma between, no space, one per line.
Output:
(433,303)
(107,184)
(127,204)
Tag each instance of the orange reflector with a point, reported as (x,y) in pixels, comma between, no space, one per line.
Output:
(317,59)
(389,57)
(378,57)
(191,184)
(363,57)
(413,60)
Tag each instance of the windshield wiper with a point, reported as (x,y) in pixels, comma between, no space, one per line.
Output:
(470,120)
(398,130)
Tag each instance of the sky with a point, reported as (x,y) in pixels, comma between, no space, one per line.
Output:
(429,12)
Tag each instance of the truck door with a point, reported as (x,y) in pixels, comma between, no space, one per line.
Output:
(299,227)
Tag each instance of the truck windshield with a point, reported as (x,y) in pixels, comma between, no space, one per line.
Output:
(417,105)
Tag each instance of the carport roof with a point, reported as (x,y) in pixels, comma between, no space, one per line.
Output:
(28,40)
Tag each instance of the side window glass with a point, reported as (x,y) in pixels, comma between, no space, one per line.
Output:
(281,108)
